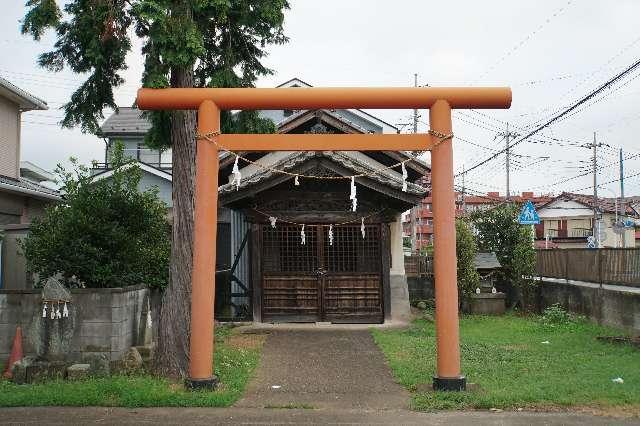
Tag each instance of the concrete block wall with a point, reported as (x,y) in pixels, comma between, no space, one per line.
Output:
(107,321)
(609,305)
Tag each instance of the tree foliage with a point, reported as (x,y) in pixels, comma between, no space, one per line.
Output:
(498,230)
(222,42)
(105,233)
(185,43)
(466,249)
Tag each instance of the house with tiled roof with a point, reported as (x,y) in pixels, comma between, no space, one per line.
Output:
(567,221)
(23,185)
(287,232)
(418,224)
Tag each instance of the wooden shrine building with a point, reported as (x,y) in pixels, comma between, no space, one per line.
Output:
(344,272)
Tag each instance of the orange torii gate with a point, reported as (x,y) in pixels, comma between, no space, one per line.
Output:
(439,101)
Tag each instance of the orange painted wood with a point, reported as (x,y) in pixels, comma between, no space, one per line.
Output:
(326,142)
(203,279)
(444,245)
(324,97)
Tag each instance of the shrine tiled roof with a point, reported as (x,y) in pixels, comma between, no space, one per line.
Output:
(356,162)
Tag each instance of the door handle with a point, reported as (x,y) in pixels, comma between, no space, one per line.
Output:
(320,272)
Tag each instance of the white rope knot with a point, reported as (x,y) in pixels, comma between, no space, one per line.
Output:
(236,174)
(296,182)
(303,238)
(362,228)
(353,196)
(273,220)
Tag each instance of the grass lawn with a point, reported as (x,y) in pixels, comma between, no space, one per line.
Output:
(505,356)
(236,358)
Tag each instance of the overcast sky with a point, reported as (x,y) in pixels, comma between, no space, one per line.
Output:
(550,52)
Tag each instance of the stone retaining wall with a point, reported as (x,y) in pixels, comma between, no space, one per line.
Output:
(420,288)
(610,305)
(101,321)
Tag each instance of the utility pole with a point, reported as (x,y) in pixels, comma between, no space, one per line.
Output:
(622,201)
(595,191)
(506,138)
(464,203)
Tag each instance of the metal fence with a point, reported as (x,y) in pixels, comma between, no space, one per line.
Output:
(418,266)
(607,265)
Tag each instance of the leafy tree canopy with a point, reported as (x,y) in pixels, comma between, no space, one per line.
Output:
(498,230)
(466,249)
(105,233)
(223,41)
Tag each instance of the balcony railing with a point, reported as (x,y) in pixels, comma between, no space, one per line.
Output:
(571,233)
(157,165)
(580,232)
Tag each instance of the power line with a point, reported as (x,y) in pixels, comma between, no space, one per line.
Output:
(557,117)
(588,78)
(607,182)
(524,40)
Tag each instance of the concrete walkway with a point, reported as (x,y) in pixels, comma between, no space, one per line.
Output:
(338,369)
(234,416)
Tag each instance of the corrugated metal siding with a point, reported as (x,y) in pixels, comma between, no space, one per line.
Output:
(239,228)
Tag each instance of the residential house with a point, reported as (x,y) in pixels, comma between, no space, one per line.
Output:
(349,266)
(22,193)
(567,221)
(418,224)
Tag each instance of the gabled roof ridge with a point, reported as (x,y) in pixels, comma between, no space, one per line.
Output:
(143,166)
(588,201)
(34,102)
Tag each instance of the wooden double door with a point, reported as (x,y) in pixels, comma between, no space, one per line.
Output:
(335,279)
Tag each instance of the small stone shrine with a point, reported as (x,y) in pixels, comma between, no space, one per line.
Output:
(487,300)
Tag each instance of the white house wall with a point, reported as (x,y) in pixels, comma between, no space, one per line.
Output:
(564,209)
(149,181)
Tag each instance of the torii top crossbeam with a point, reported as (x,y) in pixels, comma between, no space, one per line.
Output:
(326,97)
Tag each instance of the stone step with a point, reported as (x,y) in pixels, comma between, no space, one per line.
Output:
(145,351)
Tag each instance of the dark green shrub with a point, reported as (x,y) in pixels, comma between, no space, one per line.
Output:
(105,233)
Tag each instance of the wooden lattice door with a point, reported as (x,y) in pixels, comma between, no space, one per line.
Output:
(320,281)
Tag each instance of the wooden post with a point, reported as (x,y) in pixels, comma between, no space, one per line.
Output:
(204,251)
(448,375)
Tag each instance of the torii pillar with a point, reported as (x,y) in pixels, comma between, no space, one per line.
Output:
(209,102)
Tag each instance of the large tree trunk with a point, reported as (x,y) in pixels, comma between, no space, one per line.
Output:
(172,356)
(175,316)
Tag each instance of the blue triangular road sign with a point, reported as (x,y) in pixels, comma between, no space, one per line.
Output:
(528,215)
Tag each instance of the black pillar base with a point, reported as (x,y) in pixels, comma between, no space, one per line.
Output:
(202,384)
(455,384)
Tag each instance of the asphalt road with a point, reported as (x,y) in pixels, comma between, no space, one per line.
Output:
(259,416)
